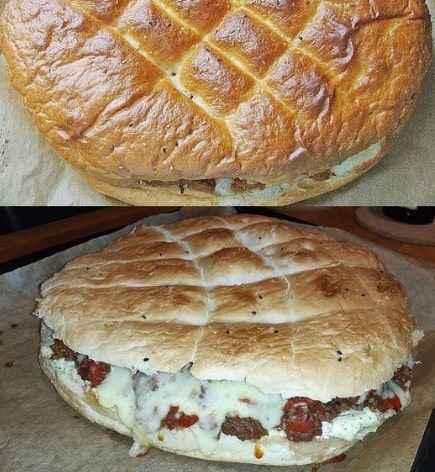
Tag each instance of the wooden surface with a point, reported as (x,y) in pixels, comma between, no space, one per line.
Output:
(24,246)
(344,218)
(68,231)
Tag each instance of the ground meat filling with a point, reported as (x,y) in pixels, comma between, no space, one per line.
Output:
(402,376)
(302,417)
(61,351)
(93,371)
(206,185)
(241,185)
(337,405)
(203,185)
(243,428)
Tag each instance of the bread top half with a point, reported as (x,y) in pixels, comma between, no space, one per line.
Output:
(143,91)
(244,298)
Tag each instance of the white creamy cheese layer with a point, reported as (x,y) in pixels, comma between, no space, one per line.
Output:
(211,401)
(142,403)
(351,162)
(64,369)
(351,424)
(227,195)
(117,391)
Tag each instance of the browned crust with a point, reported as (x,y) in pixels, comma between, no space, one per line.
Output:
(247,298)
(330,86)
(303,189)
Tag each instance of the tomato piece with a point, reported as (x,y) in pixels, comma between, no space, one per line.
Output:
(187,420)
(174,419)
(300,426)
(96,373)
(395,403)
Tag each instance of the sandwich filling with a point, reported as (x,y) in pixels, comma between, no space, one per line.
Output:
(214,410)
(228,187)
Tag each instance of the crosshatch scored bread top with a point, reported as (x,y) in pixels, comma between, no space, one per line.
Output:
(238,338)
(217,102)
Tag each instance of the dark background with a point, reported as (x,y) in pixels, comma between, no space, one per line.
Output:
(18,218)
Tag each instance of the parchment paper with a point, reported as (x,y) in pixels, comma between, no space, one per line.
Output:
(32,174)
(40,433)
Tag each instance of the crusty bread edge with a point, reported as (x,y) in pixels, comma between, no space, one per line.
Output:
(171,195)
(161,196)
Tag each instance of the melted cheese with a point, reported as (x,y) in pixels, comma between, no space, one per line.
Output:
(352,424)
(210,401)
(145,406)
(356,160)
(117,391)
(142,402)
(403,396)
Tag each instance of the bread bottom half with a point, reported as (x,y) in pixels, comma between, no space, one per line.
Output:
(272,194)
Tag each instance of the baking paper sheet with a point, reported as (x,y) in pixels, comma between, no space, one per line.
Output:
(40,433)
(32,174)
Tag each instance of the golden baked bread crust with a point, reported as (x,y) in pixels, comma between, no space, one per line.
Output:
(134,91)
(244,298)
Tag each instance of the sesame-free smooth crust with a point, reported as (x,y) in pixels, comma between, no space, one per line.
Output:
(244,298)
(134,93)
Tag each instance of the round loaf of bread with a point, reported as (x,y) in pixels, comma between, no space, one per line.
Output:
(217,102)
(250,300)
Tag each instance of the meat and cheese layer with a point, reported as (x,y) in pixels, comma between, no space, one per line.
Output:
(166,405)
